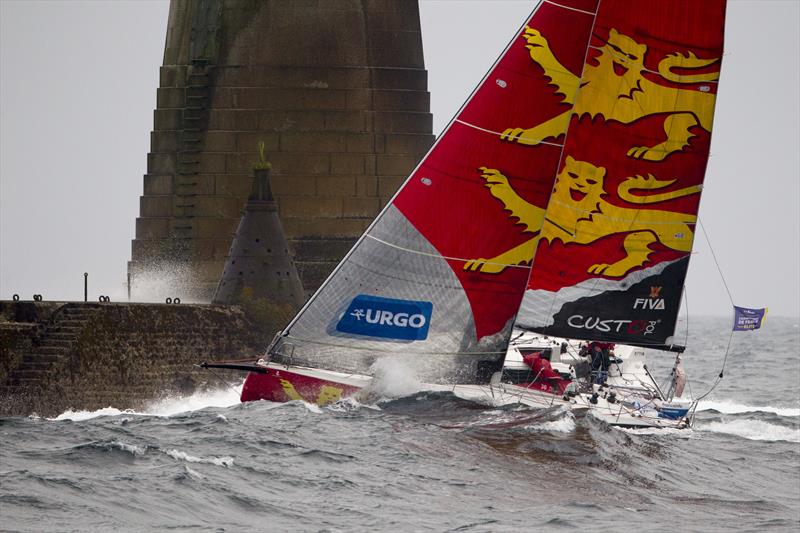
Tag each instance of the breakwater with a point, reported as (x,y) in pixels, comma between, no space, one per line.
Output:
(60,355)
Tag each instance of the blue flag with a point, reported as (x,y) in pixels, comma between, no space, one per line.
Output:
(746,319)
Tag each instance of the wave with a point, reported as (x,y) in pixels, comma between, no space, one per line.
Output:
(183,456)
(753,430)
(733,408)
(79,416)
(660,431)
(174,405)
(565,424)
(165,407)
(557,420)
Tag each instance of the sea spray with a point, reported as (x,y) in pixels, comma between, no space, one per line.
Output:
(394,377)
(173,405)
(164,407)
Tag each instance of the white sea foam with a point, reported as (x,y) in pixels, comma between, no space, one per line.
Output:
(130,448)
(350,404)
(314,408)
(671,432)
(752,430)
(183,456)
(394,378)
(174,405)
(731,408)
(78,416)
(165,407)
(564,424)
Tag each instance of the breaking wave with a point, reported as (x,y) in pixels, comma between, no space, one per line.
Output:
(164,407)
(733,408)
(183,456)
(753,430)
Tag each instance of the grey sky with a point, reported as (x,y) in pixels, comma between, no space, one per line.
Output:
(78,86)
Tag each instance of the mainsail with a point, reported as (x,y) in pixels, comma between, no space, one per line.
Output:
(612,255)
(438,277)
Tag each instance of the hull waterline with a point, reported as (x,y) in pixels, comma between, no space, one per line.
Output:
(283,383)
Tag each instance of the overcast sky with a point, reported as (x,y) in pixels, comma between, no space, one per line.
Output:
(78,87)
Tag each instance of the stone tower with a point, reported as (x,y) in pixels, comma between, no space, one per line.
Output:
(337,92)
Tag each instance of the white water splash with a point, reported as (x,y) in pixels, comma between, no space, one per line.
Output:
(394,378)
(183,456)
(169,280)
(350,404)
(164,407)
(200,400)
(734,408)
(752,430)
(564,424)
(312,407)
(78,416)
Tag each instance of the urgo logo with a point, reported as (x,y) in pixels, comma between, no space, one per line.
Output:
(388,318)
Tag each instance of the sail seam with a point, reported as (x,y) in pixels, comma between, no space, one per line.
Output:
(449,258)
(372,349)
(570,8)
(536,141)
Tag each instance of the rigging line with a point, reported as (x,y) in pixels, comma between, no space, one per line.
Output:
(536,141)
(686,307)
(722,370)
(227,384)
(570,8)
(691,394)
(437,256)
(721,275)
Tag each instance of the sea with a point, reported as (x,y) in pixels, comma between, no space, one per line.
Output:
(424,461)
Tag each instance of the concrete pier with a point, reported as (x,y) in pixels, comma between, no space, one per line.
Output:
(85,356)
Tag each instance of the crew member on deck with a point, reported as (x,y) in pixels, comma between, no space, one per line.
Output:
(543,372)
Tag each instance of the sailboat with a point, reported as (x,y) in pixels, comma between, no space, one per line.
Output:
(560,200)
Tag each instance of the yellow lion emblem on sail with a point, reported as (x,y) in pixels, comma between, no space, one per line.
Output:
(616,89)
(577,213)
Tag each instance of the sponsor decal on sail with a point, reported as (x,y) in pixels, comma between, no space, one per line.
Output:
(632,327)
(387,318)
(653,302)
